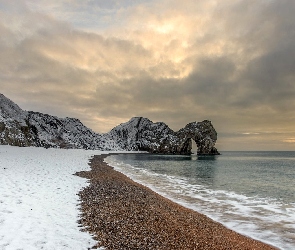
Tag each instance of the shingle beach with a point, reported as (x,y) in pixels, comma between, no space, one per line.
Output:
(122,214)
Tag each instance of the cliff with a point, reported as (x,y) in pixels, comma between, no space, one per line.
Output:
(27,128)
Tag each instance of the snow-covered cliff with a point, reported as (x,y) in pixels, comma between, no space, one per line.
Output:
(22,128)
(27,128)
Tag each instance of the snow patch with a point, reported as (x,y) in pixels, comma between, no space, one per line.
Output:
(38,198)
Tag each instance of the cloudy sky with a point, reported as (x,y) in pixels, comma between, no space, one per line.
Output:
(231,62)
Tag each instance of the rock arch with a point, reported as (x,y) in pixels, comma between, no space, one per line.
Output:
(203,133)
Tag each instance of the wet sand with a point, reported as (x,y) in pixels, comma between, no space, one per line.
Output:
(122,214)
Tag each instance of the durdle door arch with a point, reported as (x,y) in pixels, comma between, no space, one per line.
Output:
(203,133)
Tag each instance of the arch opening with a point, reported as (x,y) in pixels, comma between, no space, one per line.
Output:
(194,147)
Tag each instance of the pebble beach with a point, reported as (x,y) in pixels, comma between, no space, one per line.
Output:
(122,214)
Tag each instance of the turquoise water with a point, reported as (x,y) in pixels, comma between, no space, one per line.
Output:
(250,192)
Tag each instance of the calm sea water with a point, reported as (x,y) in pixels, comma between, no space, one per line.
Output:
(250,192)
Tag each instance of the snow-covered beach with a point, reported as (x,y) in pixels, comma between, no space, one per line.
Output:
(38,198)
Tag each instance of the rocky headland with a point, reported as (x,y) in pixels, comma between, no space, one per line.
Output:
(27,128)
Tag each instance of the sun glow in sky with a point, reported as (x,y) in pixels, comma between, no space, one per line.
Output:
(231,62)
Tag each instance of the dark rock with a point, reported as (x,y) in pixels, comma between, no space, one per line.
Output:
(2,127)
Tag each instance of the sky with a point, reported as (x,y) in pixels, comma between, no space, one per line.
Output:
(103,62)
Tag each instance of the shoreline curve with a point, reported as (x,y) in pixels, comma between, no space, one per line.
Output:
(123,214)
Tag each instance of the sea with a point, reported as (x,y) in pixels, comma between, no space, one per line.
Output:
(252,193)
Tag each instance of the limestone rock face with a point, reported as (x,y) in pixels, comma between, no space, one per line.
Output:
(27,128)
(142,134)
(13,124)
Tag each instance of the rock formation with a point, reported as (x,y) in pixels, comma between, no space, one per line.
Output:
(27,128)
(142,134)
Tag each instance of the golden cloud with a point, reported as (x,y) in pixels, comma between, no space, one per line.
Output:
(289,140)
